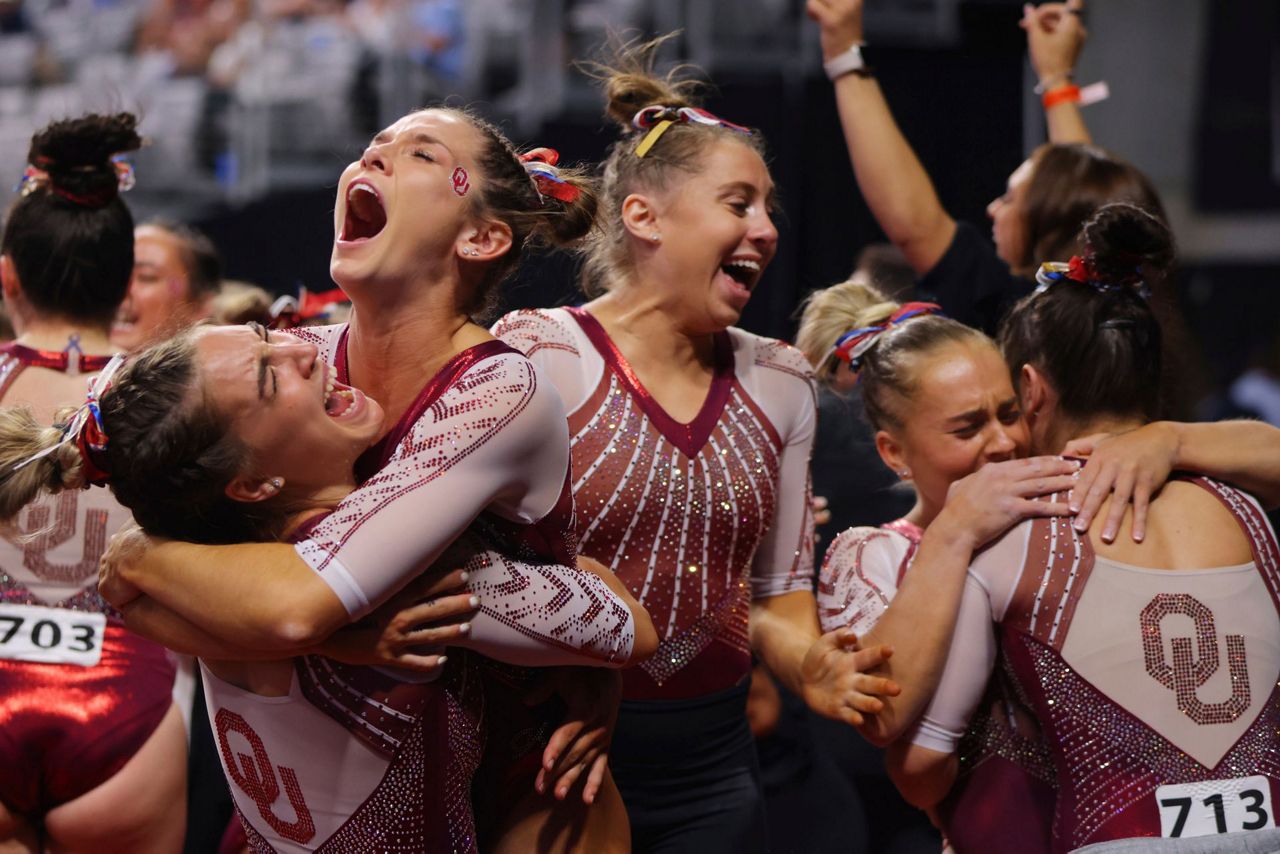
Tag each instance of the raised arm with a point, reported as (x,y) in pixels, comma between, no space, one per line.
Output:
(1055,36)
(890,176)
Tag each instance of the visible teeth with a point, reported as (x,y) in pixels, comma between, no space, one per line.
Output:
(354,187)
(745,264)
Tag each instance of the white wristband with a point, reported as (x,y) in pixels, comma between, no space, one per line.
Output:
(848,62)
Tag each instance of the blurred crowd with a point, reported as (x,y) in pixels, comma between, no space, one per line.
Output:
(222,85)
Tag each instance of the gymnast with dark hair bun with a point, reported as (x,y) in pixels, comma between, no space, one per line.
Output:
(92,744)
(1151,663)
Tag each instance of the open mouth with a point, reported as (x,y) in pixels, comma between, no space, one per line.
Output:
(744,271)
(125,320)
(365,216)
(339,399)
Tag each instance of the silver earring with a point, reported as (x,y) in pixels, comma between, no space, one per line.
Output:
(904,473)
(467,250)
(655,237)
(276,483)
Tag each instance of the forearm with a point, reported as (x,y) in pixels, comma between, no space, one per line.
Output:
(646,635)
(892,179)
(783,628)
(152,620)
(1066,124)
(261,594)
(918,624)
(923,776)
(1245,453)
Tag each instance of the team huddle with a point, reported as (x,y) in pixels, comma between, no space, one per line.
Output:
(464,587)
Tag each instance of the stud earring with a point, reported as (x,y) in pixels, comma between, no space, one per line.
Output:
(655,237)
(467,250)
(904,474)
(275,483)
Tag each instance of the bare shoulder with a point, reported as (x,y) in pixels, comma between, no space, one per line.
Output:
(1188,527)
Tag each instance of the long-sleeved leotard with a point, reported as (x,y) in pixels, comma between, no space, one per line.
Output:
(386,764)
(1156,689)
(1003,800)
(79,693)
(698,518)
(483,450)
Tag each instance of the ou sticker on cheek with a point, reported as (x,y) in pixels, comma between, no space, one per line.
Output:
(461,184)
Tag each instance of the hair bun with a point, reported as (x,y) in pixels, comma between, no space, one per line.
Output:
(1126,245)
(76,154)
(630,83)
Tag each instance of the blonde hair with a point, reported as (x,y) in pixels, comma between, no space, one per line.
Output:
(22,437)
(630,84)
(829,313)
(887,376)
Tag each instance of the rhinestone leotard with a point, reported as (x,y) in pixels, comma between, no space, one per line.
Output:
(387,763)
(1002,801)
(1140,678)
(696,518)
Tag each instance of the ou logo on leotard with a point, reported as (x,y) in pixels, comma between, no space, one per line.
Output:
(1192,668)
(256,777)
(37,537)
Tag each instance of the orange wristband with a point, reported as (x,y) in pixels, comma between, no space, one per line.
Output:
(1069,93)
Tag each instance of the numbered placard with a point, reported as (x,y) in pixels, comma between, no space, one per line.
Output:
(1215,806)
(51,635)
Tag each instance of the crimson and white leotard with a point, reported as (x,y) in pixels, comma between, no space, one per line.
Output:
(1156,689)
(356,759)
(1003,800)
(698,518)
(79,693)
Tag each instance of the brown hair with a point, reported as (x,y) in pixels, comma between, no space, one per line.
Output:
(887,375)
(630,85)
(1099,343)
(70,236)
(1069,183)
(169,452)
(507,194)
(200,258)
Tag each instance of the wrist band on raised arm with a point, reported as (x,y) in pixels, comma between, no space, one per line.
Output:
(849,62)
(1053,81)
(1069,93)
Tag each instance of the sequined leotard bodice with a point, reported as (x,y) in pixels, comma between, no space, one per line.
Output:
(695,518)
(1002,802)
(1156,689)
